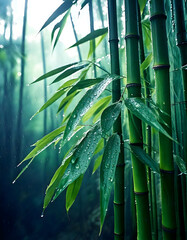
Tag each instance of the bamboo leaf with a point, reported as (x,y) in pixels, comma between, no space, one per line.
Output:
(97,162)
(62,25)
(70,71)
(103,102)
(84,84)
(54,72)
(84,3)
(43,143)
(107,173)
(66,101)
(109,116)
(59,11)
(85,103)
(145,158)
(181,164)
(55,181)
(142,4)
(91,36)
(146,63)
(72,192)
(140,110)
(81,158)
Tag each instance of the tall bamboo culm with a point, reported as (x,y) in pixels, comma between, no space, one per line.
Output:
(135,127)
(116,94)
(181,36)
(161,69)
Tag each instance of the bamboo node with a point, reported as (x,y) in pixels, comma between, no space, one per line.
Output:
(141,193)
(167,171)
(113,40)
(133,85)
(132,36)
(119,204)
(119,234)
(137,144)
(169,229)
(161,66)
(158,15)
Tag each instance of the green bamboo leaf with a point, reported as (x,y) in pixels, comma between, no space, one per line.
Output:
(97,162)
(85,103)
(98,41)
(91,36)
(72,192)
(142,4)
(145,158)
(59,11)
(81,158)
(43,143)
(180,163)
(109,116)
(55,181)
(62,25)
(146,63)
(103,102)
(67,100)
(54,72)
(140,110)
(70,71)
(84,84)
(84,3)
(107,173)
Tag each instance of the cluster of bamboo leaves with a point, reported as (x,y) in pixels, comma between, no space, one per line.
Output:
(87,129)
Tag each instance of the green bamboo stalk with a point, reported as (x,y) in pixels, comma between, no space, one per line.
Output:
(135,127)
(91,30)
(116,94)
(76,38)
(147,129)
(161,68)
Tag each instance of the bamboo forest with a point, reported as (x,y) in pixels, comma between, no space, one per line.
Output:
(93,123)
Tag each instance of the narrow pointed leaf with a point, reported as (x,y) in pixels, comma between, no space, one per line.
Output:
(107,173)
(109,116)
(181,164)
(142,4)
(85,104)
(140,110)
(81,158)
(62,25)
(43,143)
(69,72)
(84,84)
(54,72)
(72,192)
(55,182)
(60,10)
(67,100)
(84,3)
(145,158)
(97,162)
(91,112)
(146,63)
(91,36)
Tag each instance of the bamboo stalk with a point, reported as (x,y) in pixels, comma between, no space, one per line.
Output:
(135,127)
(116,94)
(161,68)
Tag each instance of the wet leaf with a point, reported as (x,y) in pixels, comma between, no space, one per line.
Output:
(142,4)
(107,173)
(181,164)
(72,192)
(55,181)
(140,110)
(109,116)
(145,158)
(81,158)
(85,104)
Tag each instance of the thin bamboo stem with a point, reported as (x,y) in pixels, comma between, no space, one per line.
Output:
(116,94)
(135,127)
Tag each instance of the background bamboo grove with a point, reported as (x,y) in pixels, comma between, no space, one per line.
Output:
(110,154)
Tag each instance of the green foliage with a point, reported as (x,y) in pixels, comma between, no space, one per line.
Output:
(107,172)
